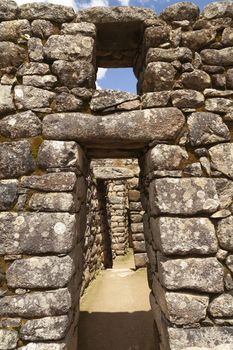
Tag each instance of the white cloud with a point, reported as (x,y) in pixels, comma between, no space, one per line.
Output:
(94,3)
(124,2)
(100,75)
(58,2)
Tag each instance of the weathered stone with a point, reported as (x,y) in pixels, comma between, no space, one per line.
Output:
(221,57)
(15,30)
(8,338)
(102,99)
(193,169)
(156,36)
(46,81)
(11,54)
(6,100)
(112,172)
(215,10)
(42,28)
(227,37)
(84,28)
(40,272)
(33,68)
(180,236)
(204,275)
(53,202)
(225,192)
(8,194)
(186,196)
(66,102)
(114,128)
(180,11)
(69,47)
(15,159)
(48,346)
(205,338)
(57,182)
(60,154)
(8,10)
(158,76)
(198,39)
(229,262)
(182,54)
(218,81)
(217,93)
(20,125)
(229,78)
(56,13)
(74,74)
(196,80)
(222,158)
(225,234)
(155,99)
(218,105)
(28,97)
(139,247)
(47,328)
(187,99)
(38,304)
(181,308)
(206,128)
(33,233)
(222,306)
(128,106)
(140,260)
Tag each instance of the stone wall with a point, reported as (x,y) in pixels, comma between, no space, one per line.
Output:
(53,123)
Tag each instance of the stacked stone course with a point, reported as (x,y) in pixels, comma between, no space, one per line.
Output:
(53,123)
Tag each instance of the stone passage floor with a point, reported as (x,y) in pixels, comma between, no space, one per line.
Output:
(115,311)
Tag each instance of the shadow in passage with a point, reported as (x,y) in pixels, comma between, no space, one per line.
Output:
(116,331)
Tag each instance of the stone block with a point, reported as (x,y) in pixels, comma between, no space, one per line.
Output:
(53,202)
(69,47)
(198,39)
(40,272)
(187,196)
(158,76)
(155,36)
(60,154)
(6,99)
(47,328)
(134,195)
(45,346)
(181,54)
(14,30)
(42,28)
(11,54)
(38,304)
(15,159)
(206,128)
(222,306)
(20,125)
(103,99)
(220,57)
(84,28)
(160,124)
(181,308)
(8,10)
(225,234)
(206,337)
(155,99)
(56,13)
(196,80)
(29,97)
(203,275)
(180,11)
(45,81)
(113,172)
(50,182)
(181,236)
(139,247)
(8,194)
(218,104)
(37,233)
(33,68)
(140,260)
(222,158)
(8,338)
(187,99)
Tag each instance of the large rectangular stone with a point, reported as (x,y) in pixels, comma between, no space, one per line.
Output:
(180,236)
(118,128)
(36,233)
(38,304)
(204,275)
(54,202)
(8,339)
(187,196)
(53,182)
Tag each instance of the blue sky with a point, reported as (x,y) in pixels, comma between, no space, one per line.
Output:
(119,79)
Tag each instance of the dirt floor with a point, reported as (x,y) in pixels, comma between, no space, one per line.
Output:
(115,311)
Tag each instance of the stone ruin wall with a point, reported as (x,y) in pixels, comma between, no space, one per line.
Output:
(181,129)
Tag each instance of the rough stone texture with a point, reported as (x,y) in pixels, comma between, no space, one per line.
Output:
(34,233)
(52,12)
(69,47)
(222,306)
(40,272)
(225,234)
(28,97)
(187,99)
(204,275)
(217,57)
(50,182)
(47,346)
(20,125)
(11,54)
(33,68)
(46,81)
(112,173)
(52,202)
(156,99)
(83,28)
(6,100)
(206,337)
(102,99)
(222,158)
(71,126)
(177,236)
(207,128)
(180,11)
(8,10)
(169,55)
(158,76)
(8,338)
(186,196)
(198,39)
(15,159)
(47,328)
(8,194)
(14,30)
(196,80)
(218,105)
(38,304)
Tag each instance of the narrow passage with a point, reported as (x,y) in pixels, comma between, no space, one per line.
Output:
(115,311)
